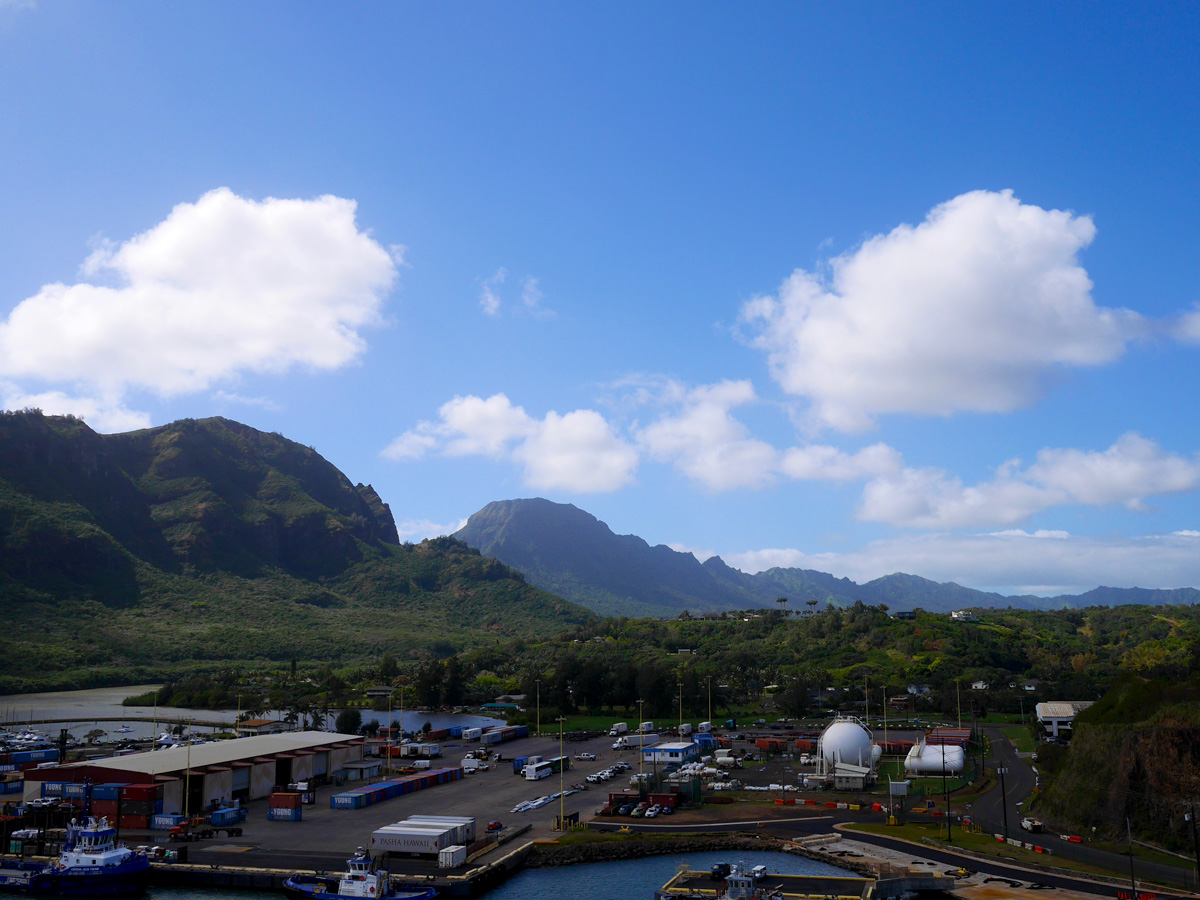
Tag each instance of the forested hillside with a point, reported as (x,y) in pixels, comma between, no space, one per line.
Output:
(569,552)
(128,556)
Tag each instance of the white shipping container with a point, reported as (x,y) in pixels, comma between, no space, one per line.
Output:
(467,822)
(491,737)
(450,857)
(704,727)
(400,839)
(471,734)
(685,729)
(646,727)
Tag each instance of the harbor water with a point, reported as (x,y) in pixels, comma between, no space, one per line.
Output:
(635,879)
(101,708)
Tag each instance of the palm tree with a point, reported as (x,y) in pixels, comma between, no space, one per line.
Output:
(782,601)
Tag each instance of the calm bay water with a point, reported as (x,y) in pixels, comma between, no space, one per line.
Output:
(101,708)
(626,880)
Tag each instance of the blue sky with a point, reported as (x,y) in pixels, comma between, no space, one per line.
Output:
(856,287)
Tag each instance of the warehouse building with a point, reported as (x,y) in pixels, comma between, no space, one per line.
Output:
(1058,716)
(219,773)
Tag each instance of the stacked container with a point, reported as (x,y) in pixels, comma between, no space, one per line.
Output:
(464,825)
(451,857)
(284,807)
(139,804)
(370,794)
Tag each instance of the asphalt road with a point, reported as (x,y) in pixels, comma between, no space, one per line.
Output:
(1017,787)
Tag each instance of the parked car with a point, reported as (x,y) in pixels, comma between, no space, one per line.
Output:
(625,810)
(494,826)
(586,756)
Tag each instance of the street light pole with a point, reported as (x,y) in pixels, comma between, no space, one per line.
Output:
(681,709)
(562,764)
(641,742)
(710,699)
(1002,771)
(539,707)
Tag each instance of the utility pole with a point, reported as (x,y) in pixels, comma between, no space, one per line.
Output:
(946,789)
(1132,878)
(1191,817)
(1002,771)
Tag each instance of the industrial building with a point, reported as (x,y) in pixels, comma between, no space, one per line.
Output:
(220,772)
(1058,716)
(677,752)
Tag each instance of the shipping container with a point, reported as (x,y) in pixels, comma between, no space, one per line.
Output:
(281,800)
(283,814)
(451,857)
(466,822)
(411,839)
(165,822)
(471,734)
(135,822)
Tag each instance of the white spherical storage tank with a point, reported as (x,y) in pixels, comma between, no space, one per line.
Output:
(933,759)
(847,742)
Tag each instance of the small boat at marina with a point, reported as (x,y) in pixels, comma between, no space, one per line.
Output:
(91,864)
(360,879)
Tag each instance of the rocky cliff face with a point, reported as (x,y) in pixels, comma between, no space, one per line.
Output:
(191,496)
(1147,772)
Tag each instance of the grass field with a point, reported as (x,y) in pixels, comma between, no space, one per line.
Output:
(1020,736)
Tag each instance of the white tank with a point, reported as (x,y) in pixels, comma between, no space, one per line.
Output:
(876,755)
(932,759)
(845,741)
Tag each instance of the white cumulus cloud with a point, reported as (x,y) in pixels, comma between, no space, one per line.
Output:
(970,310)
(578,451)
(703,441)
(221,286)
(1127,473)
(1012,562)
(102,413)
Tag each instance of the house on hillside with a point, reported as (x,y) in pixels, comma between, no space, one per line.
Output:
(963,615)
(379,692)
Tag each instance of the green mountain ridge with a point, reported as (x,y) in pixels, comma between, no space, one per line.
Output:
(567,551)
(135,555)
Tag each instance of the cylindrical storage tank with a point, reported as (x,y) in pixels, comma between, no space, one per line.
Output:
(932,759)
(876,755)
(847,742)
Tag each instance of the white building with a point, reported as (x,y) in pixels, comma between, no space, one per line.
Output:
(1058,716)
(676,752)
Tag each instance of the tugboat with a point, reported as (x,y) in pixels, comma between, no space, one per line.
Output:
(92,864)
(359,880)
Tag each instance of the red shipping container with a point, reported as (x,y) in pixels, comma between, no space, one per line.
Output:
(137,822)
(104,808)
(285,801)
(143,792)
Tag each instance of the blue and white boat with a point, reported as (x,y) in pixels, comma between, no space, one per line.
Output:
(92,864)
(359,880)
